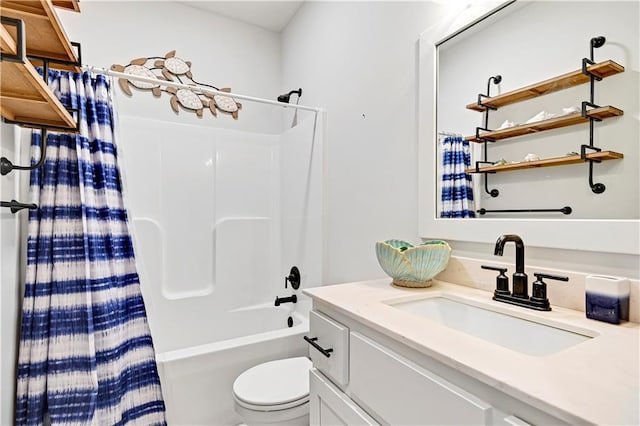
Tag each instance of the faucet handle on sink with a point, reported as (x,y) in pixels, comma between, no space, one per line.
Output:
(539,289)
(502,281)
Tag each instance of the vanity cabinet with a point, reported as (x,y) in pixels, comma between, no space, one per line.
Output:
(391,383)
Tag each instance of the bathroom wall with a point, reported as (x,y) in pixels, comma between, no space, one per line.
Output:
(10,252)
(224,53)
(358,60)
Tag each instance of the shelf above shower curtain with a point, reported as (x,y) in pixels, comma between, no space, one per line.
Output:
(44,34)
(30,33)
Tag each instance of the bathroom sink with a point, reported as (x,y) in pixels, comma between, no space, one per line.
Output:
(518,334)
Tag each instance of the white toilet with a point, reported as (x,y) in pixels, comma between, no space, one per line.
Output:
(276,392)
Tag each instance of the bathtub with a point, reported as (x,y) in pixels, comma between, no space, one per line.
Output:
(197,379)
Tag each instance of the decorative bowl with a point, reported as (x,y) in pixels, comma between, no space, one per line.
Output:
(413,266)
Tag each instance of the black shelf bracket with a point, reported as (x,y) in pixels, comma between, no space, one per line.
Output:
(6,166)
(496,80)
(594,43)
(21,48)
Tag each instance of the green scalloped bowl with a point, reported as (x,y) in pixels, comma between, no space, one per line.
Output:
(413,266)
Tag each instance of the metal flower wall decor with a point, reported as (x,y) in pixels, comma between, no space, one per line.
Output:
(172,68)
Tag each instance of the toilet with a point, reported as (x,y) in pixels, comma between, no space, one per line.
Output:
(276,392)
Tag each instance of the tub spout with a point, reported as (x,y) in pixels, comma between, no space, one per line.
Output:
(291,299)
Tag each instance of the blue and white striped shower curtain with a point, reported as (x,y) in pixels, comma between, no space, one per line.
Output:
(456,185)
(86,356)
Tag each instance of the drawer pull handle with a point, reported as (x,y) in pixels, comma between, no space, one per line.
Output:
(323,351)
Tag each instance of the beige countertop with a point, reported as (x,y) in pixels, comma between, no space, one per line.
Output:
(596,381)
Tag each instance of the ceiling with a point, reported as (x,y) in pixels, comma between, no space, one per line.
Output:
(271,15)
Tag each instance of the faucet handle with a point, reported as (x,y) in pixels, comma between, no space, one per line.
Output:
(502,281)
(494,268)
(293,278)
(539,290)
(540,276)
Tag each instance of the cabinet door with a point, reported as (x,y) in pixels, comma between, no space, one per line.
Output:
(403,393)
(330,407)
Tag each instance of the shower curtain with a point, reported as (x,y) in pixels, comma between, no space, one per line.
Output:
(86,354)
(457,189)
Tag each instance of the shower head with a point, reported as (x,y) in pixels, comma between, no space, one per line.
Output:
(285,98)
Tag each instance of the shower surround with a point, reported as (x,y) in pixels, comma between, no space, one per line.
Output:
(219,217)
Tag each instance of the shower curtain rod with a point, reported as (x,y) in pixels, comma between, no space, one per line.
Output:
(203,89)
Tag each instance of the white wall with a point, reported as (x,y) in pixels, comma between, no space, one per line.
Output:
(8,284)
(358,60)
(223,52)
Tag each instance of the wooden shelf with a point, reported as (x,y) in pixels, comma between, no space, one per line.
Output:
(553,123)
(25,97)
(67,4)
(574,78)
(549,162)
(43,30)
(7,41)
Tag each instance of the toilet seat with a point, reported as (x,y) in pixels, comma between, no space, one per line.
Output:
(275,385)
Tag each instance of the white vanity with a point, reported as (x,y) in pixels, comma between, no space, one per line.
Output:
(428,356)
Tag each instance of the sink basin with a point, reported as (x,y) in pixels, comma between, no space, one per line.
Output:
(511,332)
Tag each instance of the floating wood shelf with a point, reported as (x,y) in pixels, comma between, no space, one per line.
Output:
(43,30)
(24,97)
(553,123)
(548,162)
(67,4)
(574,78)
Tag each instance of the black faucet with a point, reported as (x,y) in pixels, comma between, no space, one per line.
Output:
(520,280)
(520,294)
(292,299)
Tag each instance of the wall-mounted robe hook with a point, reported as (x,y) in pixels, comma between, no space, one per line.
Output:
(6,166)
(16,206)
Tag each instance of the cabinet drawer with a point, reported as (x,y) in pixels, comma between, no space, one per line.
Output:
(401,392)
(326,333)
(330,407)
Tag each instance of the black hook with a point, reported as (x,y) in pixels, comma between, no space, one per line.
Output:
(6,166)
(16,206)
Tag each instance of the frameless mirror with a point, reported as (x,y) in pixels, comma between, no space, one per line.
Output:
(527,43)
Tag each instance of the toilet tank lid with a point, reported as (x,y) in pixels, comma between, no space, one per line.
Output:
(274,382)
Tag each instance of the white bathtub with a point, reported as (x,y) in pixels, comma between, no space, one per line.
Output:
(197,379)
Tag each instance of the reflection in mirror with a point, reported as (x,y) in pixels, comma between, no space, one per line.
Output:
(525,45)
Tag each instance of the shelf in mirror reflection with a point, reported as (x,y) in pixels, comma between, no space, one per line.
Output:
(553,123)
(548,162)
(574,78)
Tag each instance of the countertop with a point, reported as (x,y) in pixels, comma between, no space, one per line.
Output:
(596,381)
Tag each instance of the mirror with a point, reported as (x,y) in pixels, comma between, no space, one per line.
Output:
(525,43)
